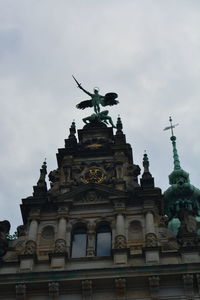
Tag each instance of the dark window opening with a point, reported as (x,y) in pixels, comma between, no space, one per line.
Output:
(103,241)
(79,242)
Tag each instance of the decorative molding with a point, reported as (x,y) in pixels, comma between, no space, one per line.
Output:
(20,290)
(90,197)
(35,212)
(63,211)
(151,240)
(120,287)
(30,247)
(120,242)
(87,289)
(119,206)
(188,281)
(60,246)
(198,282)
(53,289)
(154,284)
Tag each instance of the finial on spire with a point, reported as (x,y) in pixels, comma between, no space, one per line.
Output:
(147,180)
(171,126)
(177,165)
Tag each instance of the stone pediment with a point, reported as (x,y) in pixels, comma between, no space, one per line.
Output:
(92,193)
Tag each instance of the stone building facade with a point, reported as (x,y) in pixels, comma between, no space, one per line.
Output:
(100,232)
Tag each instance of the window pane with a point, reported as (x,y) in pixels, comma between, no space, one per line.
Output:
(79,241)
(103,246)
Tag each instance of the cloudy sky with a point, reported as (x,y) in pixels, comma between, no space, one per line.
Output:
(148,51)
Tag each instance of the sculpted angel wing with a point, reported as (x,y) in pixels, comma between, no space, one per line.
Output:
(84,104)
(109,99)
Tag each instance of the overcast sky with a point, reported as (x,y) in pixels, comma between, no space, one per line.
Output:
(147,51)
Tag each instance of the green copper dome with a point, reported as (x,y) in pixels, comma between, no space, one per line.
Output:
(181,195)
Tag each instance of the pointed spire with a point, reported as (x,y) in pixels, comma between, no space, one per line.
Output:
(147,179)
(177,165)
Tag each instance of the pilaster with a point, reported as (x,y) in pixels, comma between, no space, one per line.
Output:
(87,290)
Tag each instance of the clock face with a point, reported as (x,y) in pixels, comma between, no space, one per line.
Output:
(95,175)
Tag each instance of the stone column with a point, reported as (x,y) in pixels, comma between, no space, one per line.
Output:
(33,228)
(120,288)
(87,289)
(60,244)
(31,245)
(68,238)
(27,260)
(120,250)
(151,251)
(154,285)
(60,253)
(151,240)
(20,289)
(54,289)
(120,238)
(91,240)
(188,282)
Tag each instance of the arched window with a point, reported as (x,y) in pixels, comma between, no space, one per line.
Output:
(103,240)
(79,242)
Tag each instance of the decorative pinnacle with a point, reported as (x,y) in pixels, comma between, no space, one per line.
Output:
(43,172)
(73,125)
(44,165)
(177,165)
(119,124)
(72,129)
(171,126)
(145,162)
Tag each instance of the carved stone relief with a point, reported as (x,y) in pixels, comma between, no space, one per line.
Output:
(188,286)
(53,289)
(154,284)
(60,246)
(120,287)
(120,242)
(20,290)
(30,247)
(87,289)
(151,240)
